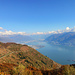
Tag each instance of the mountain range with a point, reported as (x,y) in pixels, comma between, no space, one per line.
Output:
(15,38)
(23,38)
(67,38)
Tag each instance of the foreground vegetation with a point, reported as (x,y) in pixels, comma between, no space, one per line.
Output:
(16,53)
(17,59)
(12,69)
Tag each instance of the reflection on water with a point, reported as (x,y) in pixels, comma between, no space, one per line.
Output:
(60,54)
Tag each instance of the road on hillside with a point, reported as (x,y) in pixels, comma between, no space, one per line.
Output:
(8,54)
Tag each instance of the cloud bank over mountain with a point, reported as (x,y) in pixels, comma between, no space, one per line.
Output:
(1,28)
(6,32)
(62,31)
(9,32)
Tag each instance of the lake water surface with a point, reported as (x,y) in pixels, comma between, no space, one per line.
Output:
(60,54)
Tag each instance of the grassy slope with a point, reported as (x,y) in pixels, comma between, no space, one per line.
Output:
(17,53)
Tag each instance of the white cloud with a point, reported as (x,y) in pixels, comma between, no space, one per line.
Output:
(11,33)
(38,33)
(21,33)
(67,28)
(52,32)
(1,28)
(59,31)
(73,29)
(56,32)
(5,32)
(62,31)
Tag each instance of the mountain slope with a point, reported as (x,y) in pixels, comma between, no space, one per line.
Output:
(17,53)
(20,38)
(64,39)
(15,38)
(5,39)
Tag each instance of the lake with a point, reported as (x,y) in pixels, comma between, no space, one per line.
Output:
(60,54)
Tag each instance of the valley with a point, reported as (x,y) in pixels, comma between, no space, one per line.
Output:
(24,60)
(58,53)
(37,37)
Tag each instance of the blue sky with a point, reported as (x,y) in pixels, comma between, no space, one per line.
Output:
(33,16)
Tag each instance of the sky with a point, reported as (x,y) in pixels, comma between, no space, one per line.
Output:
(36,16)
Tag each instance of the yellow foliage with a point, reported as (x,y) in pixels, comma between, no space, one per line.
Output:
(2,73)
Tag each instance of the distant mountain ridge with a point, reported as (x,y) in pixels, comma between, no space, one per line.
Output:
(6,39)
(15,38)
(19,38)
(67,38)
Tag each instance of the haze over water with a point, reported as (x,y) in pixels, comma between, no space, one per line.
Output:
(60,54)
